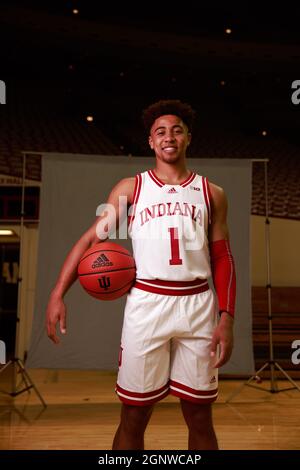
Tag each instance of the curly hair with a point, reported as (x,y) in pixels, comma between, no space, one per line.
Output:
(183,110)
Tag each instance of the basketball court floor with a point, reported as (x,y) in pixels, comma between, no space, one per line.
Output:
(83,411)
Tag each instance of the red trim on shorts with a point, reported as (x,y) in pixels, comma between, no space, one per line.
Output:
(141,399)
(193,390)
(158,286)
(187,393)
(192,399)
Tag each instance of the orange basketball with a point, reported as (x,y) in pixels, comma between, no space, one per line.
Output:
(106,271)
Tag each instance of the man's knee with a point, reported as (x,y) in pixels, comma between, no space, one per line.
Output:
(135,418)
(197,416)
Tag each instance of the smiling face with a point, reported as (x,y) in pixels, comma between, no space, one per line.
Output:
(169,138)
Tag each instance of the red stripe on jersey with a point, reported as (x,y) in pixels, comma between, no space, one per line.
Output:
(137,189)
(155,178)
(160,183)
(168,291)
(136,195)
(206,197)
(159,282)
(208,191)
(188,180)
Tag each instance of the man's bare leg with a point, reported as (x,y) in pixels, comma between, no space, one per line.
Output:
(130,433)
(199,421)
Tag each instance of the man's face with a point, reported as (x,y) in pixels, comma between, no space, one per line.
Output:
(169,138)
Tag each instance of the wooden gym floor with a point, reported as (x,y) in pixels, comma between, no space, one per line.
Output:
(83,413)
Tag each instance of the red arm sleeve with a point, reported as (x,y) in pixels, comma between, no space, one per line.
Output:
(223,273)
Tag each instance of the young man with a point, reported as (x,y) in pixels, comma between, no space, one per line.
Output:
(173,325)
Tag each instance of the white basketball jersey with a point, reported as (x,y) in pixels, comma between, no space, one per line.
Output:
(168,225)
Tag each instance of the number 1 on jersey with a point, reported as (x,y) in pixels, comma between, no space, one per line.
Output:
(175,259)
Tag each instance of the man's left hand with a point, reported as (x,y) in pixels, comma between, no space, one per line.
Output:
(223,335)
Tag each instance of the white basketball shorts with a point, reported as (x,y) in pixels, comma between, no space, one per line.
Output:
(166,343)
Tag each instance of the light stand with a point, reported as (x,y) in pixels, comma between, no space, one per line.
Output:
(16,363)
(271,363)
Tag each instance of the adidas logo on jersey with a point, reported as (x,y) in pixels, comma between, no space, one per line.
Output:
(213,380)
(195,188)
(101,261)
(172,190)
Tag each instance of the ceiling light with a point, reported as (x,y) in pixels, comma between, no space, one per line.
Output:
(5,232)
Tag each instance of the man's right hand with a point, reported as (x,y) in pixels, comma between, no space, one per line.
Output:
(56,313)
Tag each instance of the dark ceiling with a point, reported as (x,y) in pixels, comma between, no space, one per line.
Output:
(113,61)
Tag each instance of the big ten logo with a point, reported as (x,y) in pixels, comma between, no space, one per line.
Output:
(10,272)
(296,354)
(296,94)
(2,352)
(2,92)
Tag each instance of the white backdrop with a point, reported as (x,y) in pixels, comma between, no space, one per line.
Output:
(72,188)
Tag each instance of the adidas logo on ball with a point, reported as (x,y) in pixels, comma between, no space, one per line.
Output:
(101,261)
(106,270)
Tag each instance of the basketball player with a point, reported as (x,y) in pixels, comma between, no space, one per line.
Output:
(176,334)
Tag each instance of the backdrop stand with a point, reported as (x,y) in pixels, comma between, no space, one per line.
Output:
(271,363)
(15,363)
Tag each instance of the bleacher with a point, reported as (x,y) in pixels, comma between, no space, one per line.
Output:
(39,131)
(45,132)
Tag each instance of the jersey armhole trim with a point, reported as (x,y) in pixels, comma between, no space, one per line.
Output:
(207,197)
(136,195)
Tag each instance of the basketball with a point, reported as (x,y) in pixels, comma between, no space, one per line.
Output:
(106,271)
